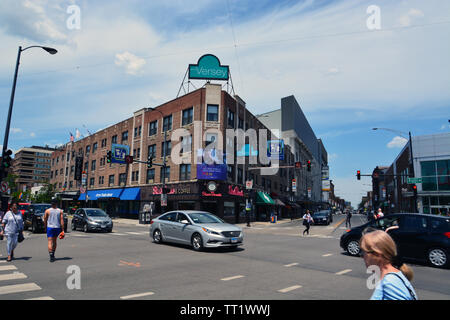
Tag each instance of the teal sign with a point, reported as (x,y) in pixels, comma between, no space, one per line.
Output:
(208,67)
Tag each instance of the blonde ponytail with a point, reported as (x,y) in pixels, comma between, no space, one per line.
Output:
(407,272)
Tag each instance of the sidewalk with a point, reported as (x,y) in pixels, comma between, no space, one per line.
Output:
(130,222)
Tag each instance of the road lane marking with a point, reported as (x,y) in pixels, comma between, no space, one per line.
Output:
(291,264)
(134,233)
(232,278)
(118,234)
(343,272)
(138,295)
(327,255)
(137,265)
(12,276)
(6,268)
(41,298)
(19,288)
(289,289)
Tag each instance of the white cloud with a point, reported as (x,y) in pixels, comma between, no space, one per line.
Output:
(332,71)
(397,142)
(32,134)
(406,20)
(16,130)
(133,64)
(332,157)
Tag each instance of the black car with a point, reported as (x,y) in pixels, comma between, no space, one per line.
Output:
(34,217)
(91,219)
(322,217)
(418,237)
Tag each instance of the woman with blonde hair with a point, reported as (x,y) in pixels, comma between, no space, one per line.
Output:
(379,250)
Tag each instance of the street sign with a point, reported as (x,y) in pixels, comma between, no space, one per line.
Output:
(294,185)
(249,184)
(163,200)
(309,193)
(119,152)
(414,180)
(4,186)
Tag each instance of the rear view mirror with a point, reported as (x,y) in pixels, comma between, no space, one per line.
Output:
(184,222)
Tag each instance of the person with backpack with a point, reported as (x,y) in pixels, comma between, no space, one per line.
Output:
(12,224)
(379,249)
(307,221)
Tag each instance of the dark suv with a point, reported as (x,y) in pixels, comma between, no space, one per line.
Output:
(418,237)
(34,217)
(322,217)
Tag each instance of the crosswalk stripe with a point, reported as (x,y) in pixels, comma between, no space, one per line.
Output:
(19,288)
(12,276)
(289,289)
(6,268)
(232,278)
(117,234)
(343,271)
(138,295)
(327,255)
(41,298)
(134,233)
(291,265)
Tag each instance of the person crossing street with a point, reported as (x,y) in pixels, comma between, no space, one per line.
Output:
(348,221)
(307,221)
(54,223)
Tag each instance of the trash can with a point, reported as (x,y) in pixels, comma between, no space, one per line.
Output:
(273,219)
(144,217)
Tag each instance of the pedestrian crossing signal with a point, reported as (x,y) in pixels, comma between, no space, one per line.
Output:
(128,159)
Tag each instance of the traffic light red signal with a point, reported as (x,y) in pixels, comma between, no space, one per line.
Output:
(309,165)
(128,159)
(298,165)
(358,174)
(415,190)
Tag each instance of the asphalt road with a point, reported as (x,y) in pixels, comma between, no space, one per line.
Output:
(276,262)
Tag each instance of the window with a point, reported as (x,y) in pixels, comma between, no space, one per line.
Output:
(210,138)
(230,172)
(440,225)
(413,224)
(93,165)
(86,166)
(169,217)
(61,171)
(56,173)
(135,176)
(94,147)
(181,217)
(139,153)
(167,123)
(103,143)
(152,151)
(230,118)
(124,136)
(185,172)
(188,116)
(114,139)
(91,181)
(186,144)
(88,150)
(101,180)
(240,175)
(122,178)
(168,148)
(135,132)
(212,112)
(240,123)
(111,180)
(102,161)
(435,175)
(51,174)
(150,175)
(70,184)
(152,128)
(140,131)
(166,174)
(68,156)
(67,171)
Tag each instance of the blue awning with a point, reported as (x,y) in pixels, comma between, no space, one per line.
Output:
(131,194)
(123,194)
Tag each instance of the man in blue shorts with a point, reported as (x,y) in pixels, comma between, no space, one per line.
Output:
(54,223)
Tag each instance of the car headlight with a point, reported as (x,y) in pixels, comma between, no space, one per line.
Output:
(210,231)
(92,222)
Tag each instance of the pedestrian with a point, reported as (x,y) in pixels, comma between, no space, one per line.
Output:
(12,227)
(379,250)
(307,221)
(54,223)
(348,222)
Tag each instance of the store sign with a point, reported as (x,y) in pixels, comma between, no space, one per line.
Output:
(208,168)
(275,149)
(208,67)
(325,173)
(211,194)
(158,190)
(119,152)
(294,185)
(326,186)
(235,191)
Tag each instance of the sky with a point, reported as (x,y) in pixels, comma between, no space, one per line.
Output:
(127,55)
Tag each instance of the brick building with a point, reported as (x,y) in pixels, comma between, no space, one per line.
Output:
(205,114)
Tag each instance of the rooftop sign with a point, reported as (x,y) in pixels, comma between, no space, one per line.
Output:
(208,67)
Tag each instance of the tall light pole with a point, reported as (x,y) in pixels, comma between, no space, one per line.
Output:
(164,154)
(11,101)
(411,154)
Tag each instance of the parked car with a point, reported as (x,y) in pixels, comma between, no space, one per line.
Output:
(198,229)
(418,237)
(91,219)
(23,207)
(322,217)
(34,217)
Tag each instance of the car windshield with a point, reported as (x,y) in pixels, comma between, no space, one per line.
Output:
(96,213)
(320,214)
(41,208)
(23,207)
(199,217)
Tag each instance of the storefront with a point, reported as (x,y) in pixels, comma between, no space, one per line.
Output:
(265,206)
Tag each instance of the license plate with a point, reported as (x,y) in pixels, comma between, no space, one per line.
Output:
(234,240)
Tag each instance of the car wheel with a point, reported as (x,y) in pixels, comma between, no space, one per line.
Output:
(353,247)
(157,237)
(34,228)
(73,226)
(437,257)
(197,242)
(85,228)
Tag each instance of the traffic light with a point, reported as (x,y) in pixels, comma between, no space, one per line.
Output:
(309,165)
(149,162)
(108,156)
(298,165)
(6,160)
(358,175)
(415,190)
(128,159)
(78,168)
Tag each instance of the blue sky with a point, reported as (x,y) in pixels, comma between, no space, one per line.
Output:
(133,54)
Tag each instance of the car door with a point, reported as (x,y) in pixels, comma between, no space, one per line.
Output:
(411,236)
(81,218)
(167,226)
(182,231)
(75,218)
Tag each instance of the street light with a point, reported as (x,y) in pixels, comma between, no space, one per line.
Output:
(11,102)
(164,154)
(411,154)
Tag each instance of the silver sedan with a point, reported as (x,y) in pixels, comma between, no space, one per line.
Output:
(196,228)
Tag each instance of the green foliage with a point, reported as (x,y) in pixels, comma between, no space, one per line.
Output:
(45,195)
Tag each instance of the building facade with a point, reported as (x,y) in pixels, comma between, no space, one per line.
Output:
(191,123)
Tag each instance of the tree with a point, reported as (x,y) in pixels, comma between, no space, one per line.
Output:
(45,195)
